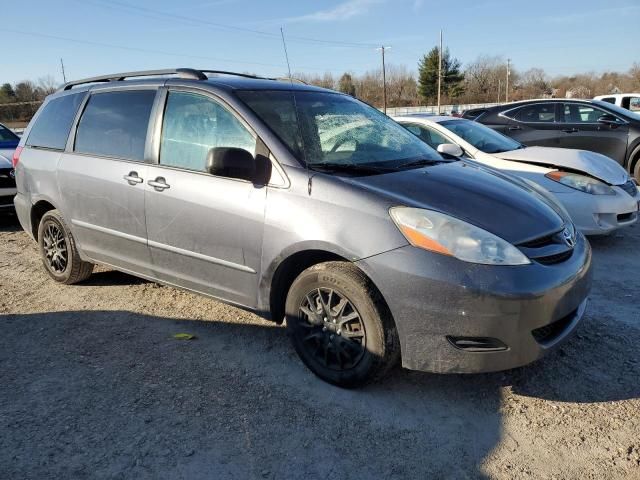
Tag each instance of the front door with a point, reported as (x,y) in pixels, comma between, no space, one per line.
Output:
(583,131)
(101,180)
(535,125)
(205,231)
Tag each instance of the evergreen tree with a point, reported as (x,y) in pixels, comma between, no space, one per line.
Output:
(346,85)
(428,76)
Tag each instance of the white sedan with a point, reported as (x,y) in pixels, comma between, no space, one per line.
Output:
(596,191)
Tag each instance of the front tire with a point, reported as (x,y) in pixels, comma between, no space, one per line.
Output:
(339,325)
(58,251)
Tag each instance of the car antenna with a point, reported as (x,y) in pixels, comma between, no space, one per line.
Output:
(295,108)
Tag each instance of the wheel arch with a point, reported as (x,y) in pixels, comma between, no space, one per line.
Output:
(282,272)
(38,210)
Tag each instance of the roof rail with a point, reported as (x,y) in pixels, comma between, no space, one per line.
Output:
(114,77)
(235,74)
(190,73)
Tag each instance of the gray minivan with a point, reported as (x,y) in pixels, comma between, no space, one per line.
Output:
(306,206)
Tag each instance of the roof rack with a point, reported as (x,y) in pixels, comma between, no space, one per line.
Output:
(189,73)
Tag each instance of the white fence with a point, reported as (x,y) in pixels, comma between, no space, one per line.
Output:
(444,109)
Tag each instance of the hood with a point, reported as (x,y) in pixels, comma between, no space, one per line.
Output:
(470,192)
(5,157)
(591,163)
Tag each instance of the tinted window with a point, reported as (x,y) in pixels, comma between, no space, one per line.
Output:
(609,100)
(7,135)
(53,124)
(539,113)
(115,124)
(473,114)
(192,125)
(575,113)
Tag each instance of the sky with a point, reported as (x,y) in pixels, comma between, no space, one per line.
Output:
(96,37)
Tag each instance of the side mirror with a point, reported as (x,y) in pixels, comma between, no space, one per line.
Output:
(231,162)
(608,119)
(450,149)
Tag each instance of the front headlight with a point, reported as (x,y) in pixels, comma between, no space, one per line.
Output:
(447,235)
(581,182)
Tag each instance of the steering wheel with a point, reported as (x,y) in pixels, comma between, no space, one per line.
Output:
(342,141)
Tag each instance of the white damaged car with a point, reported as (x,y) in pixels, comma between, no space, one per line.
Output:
(597,192)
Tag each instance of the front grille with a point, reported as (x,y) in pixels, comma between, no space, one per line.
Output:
(539,242)
(631,188)
(550,249)
(556,258)
(6,178)
(550,332)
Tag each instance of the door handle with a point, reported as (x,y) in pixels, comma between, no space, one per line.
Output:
(515,127)
(159,184)
(570,130)
(133,178)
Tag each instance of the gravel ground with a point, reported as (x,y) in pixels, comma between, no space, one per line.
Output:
(93,385)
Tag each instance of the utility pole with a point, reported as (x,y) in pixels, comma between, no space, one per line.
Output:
(64,76)
(439,72)
(384,80)
(506,97)
(499,89)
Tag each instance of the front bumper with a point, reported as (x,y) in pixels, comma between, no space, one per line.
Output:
(600,214)
(6,199)
(433,298)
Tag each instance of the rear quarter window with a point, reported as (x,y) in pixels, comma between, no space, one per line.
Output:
(53,124)
(114,124)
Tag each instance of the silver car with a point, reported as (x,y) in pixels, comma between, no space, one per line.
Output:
(597,192)
(305,206)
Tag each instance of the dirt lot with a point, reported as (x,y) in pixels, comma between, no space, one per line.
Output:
(93,385)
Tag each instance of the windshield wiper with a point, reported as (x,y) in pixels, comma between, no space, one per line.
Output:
(423,162)
(349,167)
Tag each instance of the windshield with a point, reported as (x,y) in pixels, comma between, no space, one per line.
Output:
(335,130)
(481,137)
(7,135)
(619,110)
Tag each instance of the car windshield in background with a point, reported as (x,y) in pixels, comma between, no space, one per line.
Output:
(481,137)
(335,132)
(619,110)
(7,136)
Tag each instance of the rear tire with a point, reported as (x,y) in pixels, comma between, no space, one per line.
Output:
(636,170)
(339,325)
(58,250)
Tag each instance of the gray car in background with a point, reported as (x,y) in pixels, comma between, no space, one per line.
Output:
(305,206)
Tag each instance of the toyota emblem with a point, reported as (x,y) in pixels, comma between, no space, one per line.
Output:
(568,238)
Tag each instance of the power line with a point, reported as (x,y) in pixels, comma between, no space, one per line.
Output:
(144,11)
(135,49)
(157,52)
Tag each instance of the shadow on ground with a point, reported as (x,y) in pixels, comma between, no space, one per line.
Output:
(112,393)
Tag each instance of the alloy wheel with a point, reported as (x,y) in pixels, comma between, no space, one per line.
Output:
(55,248)
(331,329)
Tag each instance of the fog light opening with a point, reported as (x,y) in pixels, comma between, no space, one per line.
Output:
(477,344)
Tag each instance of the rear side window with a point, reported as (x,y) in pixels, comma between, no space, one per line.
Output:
(609,100)
(114,124)
(53,124)
(539,113)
